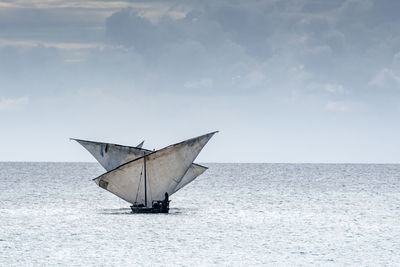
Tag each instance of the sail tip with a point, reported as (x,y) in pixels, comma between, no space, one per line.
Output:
(211,133)
(199,166)
(96,180)
(140,145)
(76,139)
(208,135)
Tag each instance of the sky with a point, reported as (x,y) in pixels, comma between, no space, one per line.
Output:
(297,81)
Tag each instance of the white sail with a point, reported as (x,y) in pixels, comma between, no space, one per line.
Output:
(165,169)
(110,156)
(192,173)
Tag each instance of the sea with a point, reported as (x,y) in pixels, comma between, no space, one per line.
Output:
(232,215)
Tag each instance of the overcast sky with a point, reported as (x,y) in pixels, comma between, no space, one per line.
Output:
(283,81)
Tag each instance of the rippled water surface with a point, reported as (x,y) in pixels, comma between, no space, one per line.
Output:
(286,214)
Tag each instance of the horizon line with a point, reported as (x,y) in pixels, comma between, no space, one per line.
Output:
(215,162)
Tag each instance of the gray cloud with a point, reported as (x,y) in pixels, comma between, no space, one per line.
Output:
(230,43)
(51,24)
(329,40)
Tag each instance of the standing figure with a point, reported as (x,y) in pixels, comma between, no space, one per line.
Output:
(166,198)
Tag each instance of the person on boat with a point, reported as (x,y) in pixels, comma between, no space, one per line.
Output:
(164,203)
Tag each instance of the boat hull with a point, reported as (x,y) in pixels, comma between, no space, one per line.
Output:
(158,207)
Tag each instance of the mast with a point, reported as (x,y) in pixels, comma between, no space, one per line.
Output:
(145,182)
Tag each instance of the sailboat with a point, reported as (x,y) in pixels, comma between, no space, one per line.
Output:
(111,156)
(147,178)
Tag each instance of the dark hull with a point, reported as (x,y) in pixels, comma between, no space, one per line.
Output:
(158,208)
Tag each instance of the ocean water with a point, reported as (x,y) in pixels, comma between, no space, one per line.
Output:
(234,214)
